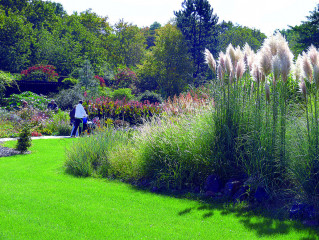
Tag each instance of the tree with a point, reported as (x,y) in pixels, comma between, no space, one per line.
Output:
(308,31)
(127,45)
(198,25)
(149,33)
(238,36)
(16,37)
(172,63)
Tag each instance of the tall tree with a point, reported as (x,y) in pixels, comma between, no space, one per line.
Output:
(172,62)
(127,45)
(198,24)
(308,31)
(16,37)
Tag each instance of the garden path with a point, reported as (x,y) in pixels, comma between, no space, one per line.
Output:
(42,137)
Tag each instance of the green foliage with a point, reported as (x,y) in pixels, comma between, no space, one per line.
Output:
(88,156)
(69,82)
(24,140)
(198,25)
(34,100)
(67,98)
(169,63)
(127,46)
(122,94)
(125,78)
(307,33)
(238,36)
(59,124)
(16,37)
(152,97)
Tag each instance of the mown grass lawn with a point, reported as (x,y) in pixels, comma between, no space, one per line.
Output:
(38,200)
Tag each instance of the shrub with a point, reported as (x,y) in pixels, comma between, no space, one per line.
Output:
(40,73)
(69,82)
(133,112)
(125,78)
(122,94)
(151,97)
(34,100)
(24,140)
(67,98)
(59,124)
(101,80)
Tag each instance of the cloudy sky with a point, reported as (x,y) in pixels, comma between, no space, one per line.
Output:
(260,14)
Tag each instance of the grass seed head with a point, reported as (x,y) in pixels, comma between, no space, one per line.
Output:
(210,60)
(307,67)
(313,55)
(265,60)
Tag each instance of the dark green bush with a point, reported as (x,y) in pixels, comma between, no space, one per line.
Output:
(150,96)
(67,98)
(24,140)
(122,93)
(69,82)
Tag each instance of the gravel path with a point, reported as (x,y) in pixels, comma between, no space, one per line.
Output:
(5,151)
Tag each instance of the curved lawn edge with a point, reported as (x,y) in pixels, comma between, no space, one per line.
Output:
(40,201)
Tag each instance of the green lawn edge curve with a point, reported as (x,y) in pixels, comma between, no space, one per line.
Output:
(38,200)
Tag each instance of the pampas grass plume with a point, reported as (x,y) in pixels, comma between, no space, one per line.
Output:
(265,60)
(307,67)
(303,89)
(267,90)
(313,55)
(210,60)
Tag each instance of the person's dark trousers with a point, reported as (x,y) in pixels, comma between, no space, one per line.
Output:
(76,126)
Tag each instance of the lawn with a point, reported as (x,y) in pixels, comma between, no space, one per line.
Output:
(38,200)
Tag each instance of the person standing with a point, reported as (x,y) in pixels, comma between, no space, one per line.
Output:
(79,115)
(72,120)
(53,106)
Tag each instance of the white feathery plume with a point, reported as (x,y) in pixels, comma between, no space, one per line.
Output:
(230,51)
(307,67)
(209,59)
(298,68)
(228,64)
(256,73)
(265,58)
(316,75)
(240,69)
(303,89)
(313,55)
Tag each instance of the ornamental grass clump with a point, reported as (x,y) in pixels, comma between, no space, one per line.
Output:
(89,155)
(307,147)
(251,100)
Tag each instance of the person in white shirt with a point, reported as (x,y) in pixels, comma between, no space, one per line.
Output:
(79,115)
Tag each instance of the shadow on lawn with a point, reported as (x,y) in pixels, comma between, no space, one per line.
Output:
(260,221)
(265,222)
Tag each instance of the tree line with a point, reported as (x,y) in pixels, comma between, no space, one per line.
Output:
(165,59)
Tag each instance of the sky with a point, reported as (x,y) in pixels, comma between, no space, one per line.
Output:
(265,15)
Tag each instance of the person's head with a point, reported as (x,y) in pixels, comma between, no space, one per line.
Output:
(80,101)
(52,101)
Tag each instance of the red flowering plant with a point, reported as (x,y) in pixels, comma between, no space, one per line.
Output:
(132,112)
(40,72)
(36,134)
(101,80)
(125,78)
